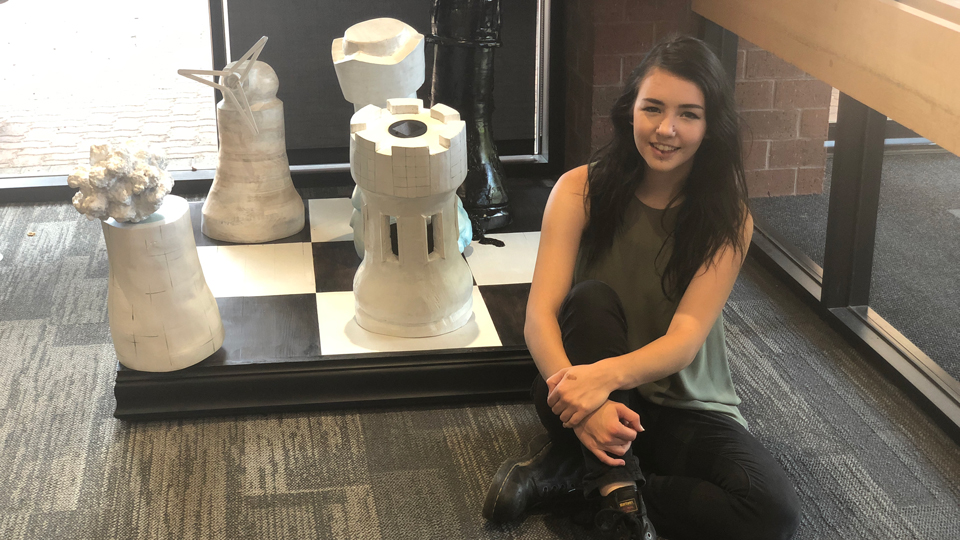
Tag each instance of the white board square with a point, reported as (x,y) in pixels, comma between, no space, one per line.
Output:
(512,263)
(340,333)
(330,220)
(258,269)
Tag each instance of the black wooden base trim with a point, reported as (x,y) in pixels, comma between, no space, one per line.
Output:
(899,360)
(428,378)
(32,189)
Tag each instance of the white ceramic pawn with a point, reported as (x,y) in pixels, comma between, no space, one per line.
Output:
(252,198)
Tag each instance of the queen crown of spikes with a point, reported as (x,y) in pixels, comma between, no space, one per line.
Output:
(231,81)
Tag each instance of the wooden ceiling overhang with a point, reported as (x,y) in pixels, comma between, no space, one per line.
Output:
(899,58)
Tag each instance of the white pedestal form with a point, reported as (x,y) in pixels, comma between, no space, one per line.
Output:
(163,316)
(252,199)
(420,287)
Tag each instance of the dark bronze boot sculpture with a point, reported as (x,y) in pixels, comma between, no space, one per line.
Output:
(465,33)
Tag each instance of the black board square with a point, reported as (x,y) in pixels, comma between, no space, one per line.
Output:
(335,264)
(260,328)
(507,305)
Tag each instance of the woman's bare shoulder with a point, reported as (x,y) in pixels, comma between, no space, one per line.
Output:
(567,205)
(574,177)
(747,228)
(573,182)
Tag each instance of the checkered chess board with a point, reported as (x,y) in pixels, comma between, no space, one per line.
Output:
(292,299)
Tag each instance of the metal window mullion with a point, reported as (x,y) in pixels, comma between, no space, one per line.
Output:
(724,43)
(218,46)
(854,201)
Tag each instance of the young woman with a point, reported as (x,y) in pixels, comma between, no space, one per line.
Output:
(638,254)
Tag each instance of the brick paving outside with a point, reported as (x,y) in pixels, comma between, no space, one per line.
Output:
(106,75)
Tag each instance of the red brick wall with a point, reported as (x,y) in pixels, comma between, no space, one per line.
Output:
(785,109)
(786,113)
(605,40)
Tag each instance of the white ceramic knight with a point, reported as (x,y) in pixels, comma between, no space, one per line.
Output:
(162,314)
(408,161)
(252,198)
(377,60)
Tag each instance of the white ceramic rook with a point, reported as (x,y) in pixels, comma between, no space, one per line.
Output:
(416,289)
(377,60)
(163,316)
(252,198)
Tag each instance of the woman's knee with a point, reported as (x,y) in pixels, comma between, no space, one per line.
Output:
(777,516)
(592,323)
(788,512)
(591,297)
(766,501)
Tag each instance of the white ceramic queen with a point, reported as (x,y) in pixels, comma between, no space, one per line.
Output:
(163,316)
(408,161)
(377,60)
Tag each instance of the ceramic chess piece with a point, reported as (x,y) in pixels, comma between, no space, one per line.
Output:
(407,162)
(252,198)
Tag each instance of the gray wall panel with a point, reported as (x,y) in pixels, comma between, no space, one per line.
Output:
(301,32)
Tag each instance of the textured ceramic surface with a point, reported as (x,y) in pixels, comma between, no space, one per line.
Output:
(163,316)
(413,281)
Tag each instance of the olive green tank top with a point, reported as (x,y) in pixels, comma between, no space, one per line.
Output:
(632,267)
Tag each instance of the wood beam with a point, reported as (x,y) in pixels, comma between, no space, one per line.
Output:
(890,56)
(948,10)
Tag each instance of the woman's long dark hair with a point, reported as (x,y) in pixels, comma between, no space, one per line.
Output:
(714,197)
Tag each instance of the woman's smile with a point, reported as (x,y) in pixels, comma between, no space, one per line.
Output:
(664,151)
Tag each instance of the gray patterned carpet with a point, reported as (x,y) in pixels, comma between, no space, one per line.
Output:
(867,463)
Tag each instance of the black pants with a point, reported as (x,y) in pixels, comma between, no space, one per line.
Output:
(702,475)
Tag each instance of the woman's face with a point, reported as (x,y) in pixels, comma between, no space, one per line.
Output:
(669,122)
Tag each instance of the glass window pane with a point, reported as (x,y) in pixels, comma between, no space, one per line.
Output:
(787,115)
(75,74)
(316,113)
(915,283)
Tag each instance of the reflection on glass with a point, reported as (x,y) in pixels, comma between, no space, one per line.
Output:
(799,219)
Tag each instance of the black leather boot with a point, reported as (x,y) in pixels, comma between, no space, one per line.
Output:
(547,473)
(623,516)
